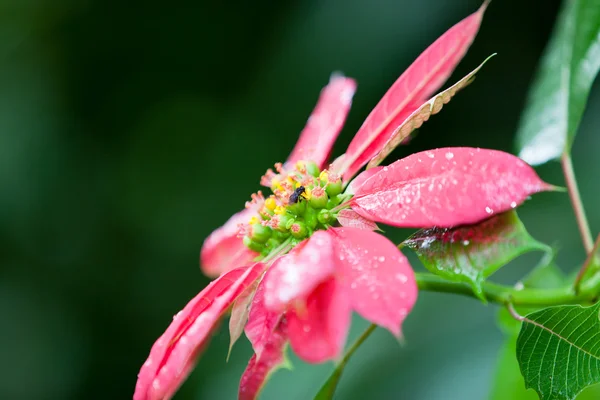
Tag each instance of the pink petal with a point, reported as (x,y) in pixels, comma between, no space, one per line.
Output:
(361,179)
(318,332)
(262,322)
(174,354)
(295,275)
(380,282)
(429,71)
(447,187)
(325,122)
(351,219)
(223,250)
(260,368)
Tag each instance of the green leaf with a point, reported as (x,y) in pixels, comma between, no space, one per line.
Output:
(559,93)
(558,350)
(508,382)
(474,252)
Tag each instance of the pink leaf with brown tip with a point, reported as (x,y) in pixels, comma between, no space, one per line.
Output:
(447,187)
(296,274)
(429,71)
(376,275)
(174,354)
(259,369)
(318,329)
(421,115)
(223,250)
(325,122)
(351,219)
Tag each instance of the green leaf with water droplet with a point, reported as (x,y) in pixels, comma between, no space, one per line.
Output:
(558,350)
(474,252)
(559,93)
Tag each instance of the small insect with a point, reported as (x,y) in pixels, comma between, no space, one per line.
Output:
(298,195)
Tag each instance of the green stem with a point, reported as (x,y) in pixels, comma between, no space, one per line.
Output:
(582,223)
(502,294)
(586,265)
(357,344)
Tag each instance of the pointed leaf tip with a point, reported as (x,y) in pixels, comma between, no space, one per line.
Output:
(325,122)
(422,115)
(472,253)
(377,275)
(420,80)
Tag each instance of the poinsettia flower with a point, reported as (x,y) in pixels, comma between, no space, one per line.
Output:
(293,266)
(223,250)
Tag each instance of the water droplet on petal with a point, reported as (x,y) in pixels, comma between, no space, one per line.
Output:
(381,258)
(466,242)
(402,278)
(449,155)
(513,204)
(489,210)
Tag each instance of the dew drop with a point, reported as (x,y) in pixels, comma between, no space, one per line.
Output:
(466,242)
(156,384)
(489,210)
(402,278)
(381,258)
(513,204)
(449,155)
(385,169)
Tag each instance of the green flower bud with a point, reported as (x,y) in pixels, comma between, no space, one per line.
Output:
(318,198)
(252,245)
(260,233)
(281,222)
(325,217)
(299,230)
(334,187)
(312,169)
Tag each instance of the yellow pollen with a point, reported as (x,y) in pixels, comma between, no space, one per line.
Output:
(270,203)
(253,220)
(307,193)
(324,176)
(279,210)
(300,165)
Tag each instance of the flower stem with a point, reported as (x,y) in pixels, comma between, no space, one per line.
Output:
(357,343)
(586,265)
(502,294)
(582,223)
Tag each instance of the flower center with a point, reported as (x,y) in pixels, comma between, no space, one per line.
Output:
(304,200)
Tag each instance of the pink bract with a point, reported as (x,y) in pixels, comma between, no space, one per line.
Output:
(414,87)
(446,187)
(174,354)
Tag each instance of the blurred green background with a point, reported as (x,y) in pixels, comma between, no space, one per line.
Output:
(130,130)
